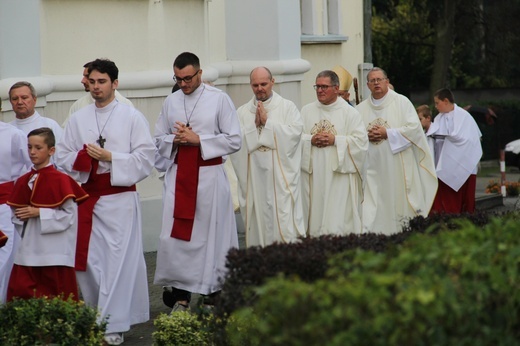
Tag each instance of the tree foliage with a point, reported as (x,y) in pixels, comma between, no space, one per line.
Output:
(428,44)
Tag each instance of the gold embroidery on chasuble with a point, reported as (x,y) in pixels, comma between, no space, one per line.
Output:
(378,122)
(263,147)
(324,126)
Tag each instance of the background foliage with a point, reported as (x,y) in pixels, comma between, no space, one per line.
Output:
(484,52)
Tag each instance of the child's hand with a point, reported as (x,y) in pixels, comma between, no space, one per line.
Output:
(26,213)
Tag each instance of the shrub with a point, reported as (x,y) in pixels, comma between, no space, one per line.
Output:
(512,187)
(180,328)
(455,288)
(42,321)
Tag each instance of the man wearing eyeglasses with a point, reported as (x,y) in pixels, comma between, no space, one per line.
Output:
(268,165)
(334,145)
(400,176)
(197,129)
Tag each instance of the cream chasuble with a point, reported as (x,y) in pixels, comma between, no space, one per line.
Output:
(400,177)
(268,172)
(332,176)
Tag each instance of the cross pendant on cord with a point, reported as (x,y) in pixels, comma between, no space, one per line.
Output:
(101,141)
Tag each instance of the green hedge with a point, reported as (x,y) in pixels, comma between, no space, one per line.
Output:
(452,288)
(42,321)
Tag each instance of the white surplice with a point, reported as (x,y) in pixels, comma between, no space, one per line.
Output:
(15,162)
(400,178)
(459,151)
(332,176)
(197,265)
(268,171)
(115,280)
(36,121)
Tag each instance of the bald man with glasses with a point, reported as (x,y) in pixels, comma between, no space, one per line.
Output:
(334,145)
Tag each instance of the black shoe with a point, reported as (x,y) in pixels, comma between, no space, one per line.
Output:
(167,297)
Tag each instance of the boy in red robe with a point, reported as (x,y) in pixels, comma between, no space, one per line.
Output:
(45,215)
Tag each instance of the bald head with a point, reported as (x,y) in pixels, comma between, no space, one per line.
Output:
(261,81)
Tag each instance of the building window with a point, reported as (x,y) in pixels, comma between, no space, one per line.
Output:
(321,21)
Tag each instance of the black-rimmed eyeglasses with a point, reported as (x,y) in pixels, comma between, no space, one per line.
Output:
(187,79)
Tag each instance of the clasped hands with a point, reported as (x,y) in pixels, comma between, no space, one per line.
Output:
(377,134)
(323,139)
(260,115)
(184,135)
(98,153)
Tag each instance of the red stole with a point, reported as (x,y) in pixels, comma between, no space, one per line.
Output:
(5,191)
(51,189)
(188,161)
(97,185)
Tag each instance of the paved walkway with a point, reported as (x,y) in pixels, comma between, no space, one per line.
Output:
(142,334)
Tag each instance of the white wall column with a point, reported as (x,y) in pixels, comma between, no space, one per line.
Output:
(265,33)
(20,38)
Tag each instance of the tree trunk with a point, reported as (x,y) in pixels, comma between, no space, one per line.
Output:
(445,36)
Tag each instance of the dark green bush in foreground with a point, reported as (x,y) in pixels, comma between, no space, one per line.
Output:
(454,288)
(42,321)
(308,259)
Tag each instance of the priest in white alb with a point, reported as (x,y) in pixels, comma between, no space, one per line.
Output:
(400,179)
(268,165)
(108,148)
(334,145)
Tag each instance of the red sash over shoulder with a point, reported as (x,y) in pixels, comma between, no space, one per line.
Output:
(97,185)
(188,161)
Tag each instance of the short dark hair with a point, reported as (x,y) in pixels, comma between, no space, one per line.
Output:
(104,66)
(185,59)
(87,65)
(443,94)
(334,79)
(46,133)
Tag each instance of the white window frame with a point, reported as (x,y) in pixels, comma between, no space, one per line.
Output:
(329,11)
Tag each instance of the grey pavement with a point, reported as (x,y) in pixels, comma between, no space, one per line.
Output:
(141,334)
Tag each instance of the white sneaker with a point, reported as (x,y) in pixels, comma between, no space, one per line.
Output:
(114,338)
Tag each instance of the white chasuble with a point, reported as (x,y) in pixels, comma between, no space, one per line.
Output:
(332,176)
(400,176)
(268,171)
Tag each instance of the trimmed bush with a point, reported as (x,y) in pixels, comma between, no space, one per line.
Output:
(180,328)
(455,288)
(43,321)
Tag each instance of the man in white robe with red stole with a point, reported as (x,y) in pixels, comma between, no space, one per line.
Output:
(197,128)
(400,178)
(108,148)
(268,165)
(457,154)
(14,162)
(334,145)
